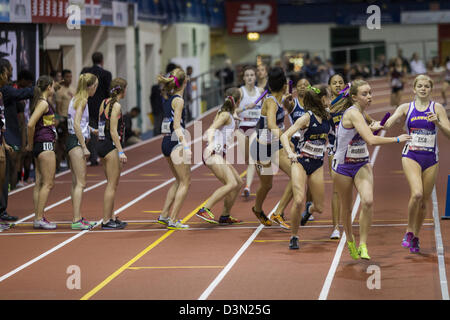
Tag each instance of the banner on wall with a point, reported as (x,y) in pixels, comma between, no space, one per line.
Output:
(49,11)
(256,16)
(20,45)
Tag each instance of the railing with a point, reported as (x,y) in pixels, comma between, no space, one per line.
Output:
(366,53)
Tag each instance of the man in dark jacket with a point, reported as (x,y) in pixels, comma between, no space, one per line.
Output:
(104,81)
(13,135)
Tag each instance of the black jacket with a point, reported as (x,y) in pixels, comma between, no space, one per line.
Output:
(11,96)
(94,102)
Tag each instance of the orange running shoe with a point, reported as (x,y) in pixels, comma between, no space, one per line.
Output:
(262,217)
(279,219)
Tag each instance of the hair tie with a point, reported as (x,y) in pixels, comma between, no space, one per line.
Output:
(232,100)
(316,90)
(177,84)
(114,89)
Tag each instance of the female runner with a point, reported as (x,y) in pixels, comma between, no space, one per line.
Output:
(220,136)
(307,160)
(110,135)
(175,147)
(420,155)
(351,164)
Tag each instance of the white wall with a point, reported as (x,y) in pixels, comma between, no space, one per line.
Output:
(150,65)
(70,41)
(411,38)
(177,41)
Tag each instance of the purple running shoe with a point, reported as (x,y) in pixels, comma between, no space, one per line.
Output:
(406,243)
(414,245)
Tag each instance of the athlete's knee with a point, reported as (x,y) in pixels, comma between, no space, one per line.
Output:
(417,196)
(367,202)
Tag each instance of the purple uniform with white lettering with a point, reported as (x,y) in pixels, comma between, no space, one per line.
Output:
(351,151)
(423,147)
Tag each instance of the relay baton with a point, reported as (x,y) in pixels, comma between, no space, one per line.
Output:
(261,96)
(341,94)
(290,86)
(382,122)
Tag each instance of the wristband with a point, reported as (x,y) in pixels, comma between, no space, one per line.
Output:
(121,153)
(186,148)
(398,140)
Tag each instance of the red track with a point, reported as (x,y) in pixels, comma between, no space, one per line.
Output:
(183,264)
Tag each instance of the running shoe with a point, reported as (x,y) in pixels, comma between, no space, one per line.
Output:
(246,193)
(206,214)
(4,226)
(280,220)
(229,220)
(362,251)
(306,214)
(177,225)
(336,234)
(81,225)
(6,217)
(415,248)
(87,222)
(44,224)
(262,217)
(293,243)
(406,243)
(121,222)
(112,225)
(352,249)
(163,220)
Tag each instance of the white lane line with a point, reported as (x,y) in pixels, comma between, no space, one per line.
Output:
(233,260)
(39,233)
(125,149)
(439,248)
(337,257)
(103,182)
(62,244)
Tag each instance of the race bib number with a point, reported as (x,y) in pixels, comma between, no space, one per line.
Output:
(396,83)
(423,140)
(101,130)
(357,152)
(47,146)
(313,150)
(165,126)
(254,114)
(70,125)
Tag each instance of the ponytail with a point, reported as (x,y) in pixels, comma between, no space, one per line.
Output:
(118,86)
(41,86)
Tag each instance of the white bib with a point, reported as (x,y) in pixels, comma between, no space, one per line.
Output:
(101,130)
(165,126)
(357,151)
(315,150)
(421,141)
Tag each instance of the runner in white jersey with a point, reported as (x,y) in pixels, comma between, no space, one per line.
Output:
(77,151)
(249,113)
(351,164)
(220,137)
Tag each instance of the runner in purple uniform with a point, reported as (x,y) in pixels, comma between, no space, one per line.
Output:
(420,156)
(41,140)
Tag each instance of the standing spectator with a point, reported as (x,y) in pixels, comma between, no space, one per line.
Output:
(25,79)
(131,136)
(417,65)
(310,71)
(405,62)
(226,75)
(188,94)
(261,76)
(62,100)
(381,67)
(397,74)
(104,80)
(13,136)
